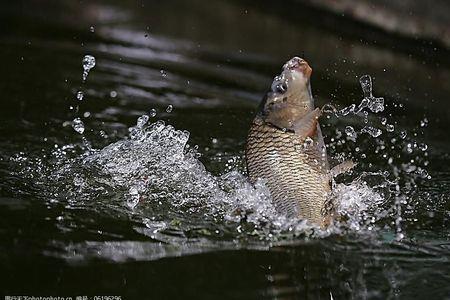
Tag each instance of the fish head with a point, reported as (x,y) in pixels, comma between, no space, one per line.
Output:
(289,97)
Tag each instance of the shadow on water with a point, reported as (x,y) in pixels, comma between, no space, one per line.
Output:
(66,228)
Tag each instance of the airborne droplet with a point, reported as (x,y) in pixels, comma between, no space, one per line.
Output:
(366,85)
(141,121)
(390,127)
(350,132)
(88,64)
(78,125)
(375,132)
(80,95)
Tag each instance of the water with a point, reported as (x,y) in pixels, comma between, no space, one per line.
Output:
(140,190)
(88,64)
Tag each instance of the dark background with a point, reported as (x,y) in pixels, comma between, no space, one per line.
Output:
(213,61)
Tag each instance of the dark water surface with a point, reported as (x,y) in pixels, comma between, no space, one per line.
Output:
(143,219)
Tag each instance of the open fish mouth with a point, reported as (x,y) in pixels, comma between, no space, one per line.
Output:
(298,64)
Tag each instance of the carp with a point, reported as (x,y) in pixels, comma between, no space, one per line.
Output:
(285,147)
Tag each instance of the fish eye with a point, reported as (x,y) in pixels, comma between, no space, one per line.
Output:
(279,87)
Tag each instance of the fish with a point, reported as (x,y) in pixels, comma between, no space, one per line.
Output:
(285,148)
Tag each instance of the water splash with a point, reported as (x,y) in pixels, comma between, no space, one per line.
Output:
(374,132)
(397,149)
(155,172)
(375,104)
(155,175)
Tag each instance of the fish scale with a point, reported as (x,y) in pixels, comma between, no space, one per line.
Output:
(296,175)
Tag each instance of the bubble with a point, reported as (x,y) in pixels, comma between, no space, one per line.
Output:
(152,113)
(163,73)
(383,121)
(80,95)
(78,125)
(88,64)
(403,134)
(113,94)
(92,29)
(169,108)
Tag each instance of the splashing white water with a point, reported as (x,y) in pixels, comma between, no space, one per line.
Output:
(160,174)
(155,174)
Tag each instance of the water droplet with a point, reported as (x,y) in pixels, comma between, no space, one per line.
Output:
(113,94)
(80,95)
(350,132)
(366,85)
(133,197)
(364,103)
(308,142)
(424,122)
(390,127)
(78,125)
(152,113)
(169,108)
(409,148)
(423,147)
(103,134)
(374,132)
(376,104)
(142,120)
(88,64)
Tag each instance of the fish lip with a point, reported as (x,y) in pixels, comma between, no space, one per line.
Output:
(298,64)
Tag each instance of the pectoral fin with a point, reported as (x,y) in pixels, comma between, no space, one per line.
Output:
(342,168)
(307,126)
